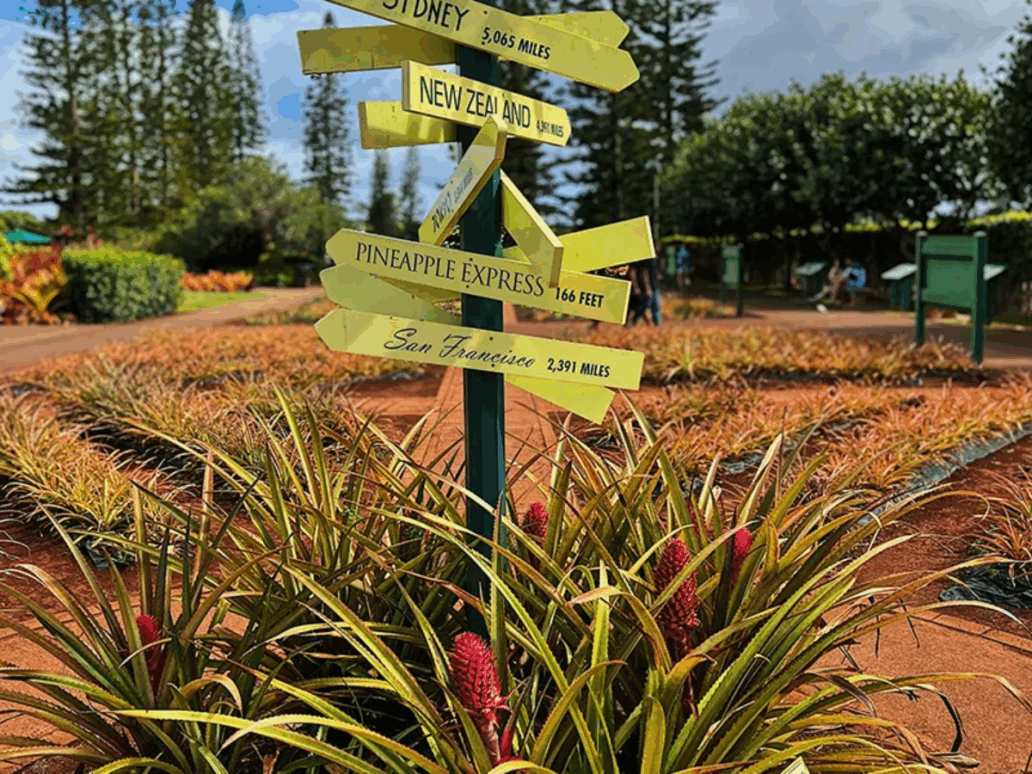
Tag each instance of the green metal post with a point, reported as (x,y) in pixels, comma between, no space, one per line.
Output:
(740,295)
(919,279)
(979,306)
(483,393)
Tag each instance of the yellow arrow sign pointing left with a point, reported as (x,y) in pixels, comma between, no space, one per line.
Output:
(388,125)
(483,157)
(354,289)
(493,351)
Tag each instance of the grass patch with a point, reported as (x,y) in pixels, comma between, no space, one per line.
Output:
(193,300)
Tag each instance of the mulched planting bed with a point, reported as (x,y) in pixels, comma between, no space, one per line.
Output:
(948,527)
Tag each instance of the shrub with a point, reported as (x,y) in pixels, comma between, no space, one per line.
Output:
(6,255)
(273,271)
(37,279)
(111,285)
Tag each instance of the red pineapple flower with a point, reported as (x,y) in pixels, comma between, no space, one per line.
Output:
(155,655)
(476,679)
(535,524)
(741,546)
(678,616)
(536,521)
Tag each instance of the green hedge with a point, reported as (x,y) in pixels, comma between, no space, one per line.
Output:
(107,284)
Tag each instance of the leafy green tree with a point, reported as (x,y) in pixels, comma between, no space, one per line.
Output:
(382,211)
(259,210)
(1010,151)
(326,136)
(59,79)
(206,119)
(249,126)
(409,200)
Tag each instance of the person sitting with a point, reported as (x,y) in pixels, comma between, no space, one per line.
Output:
(833,285)
(856,279)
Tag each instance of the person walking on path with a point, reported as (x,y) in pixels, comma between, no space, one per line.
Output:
(645,285)
(684,268)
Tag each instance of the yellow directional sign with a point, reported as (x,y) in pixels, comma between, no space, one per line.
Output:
(584,400)
(493,351)
(354,289)
(599,248)
(473,171)
(533,236)
(387,125)
(518,282)
(379,48)
(513,37)
(439,94)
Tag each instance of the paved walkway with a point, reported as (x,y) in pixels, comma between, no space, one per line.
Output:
(22,346)
(1003,348)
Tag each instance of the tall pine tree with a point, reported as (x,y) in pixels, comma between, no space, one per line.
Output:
(59,79)
(621,141)
(326,138)
(409,199)
(526,162)
(207,117)
(158,45)
(249,127)
(610,141)
(381,217)
(675,83)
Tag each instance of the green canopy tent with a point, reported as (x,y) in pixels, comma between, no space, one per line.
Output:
(26,237)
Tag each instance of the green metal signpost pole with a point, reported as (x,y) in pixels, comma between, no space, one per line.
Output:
(919,281)
(483,393)
(979,306)
(740,285)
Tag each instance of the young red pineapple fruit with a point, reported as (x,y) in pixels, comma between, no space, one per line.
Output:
(535,524)
(479,692)
(154,655)
(740,548)
(678,617)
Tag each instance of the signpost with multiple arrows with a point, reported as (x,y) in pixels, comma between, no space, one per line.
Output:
(390,290)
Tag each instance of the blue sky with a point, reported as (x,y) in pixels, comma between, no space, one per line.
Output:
(759,45)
